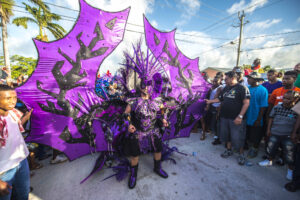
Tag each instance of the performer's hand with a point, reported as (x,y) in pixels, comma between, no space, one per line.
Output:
(131,128)
(4,188)
(165,123)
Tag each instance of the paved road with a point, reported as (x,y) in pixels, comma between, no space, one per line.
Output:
(200,175)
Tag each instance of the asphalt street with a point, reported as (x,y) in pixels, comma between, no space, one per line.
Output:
(202,174)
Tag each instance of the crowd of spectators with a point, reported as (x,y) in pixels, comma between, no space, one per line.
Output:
(246,111)
(241,112)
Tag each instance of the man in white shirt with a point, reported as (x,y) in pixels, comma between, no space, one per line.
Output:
(14,170)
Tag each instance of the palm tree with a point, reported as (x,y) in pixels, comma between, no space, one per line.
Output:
(42,16)
(5,14)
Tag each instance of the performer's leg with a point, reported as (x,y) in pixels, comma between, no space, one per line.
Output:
(157,156)
(134,161)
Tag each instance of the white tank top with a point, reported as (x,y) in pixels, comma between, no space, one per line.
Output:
(15,149)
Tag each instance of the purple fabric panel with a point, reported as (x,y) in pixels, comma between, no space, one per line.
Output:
(175,62)
(185,77)
(46,126)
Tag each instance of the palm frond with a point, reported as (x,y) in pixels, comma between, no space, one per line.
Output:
(57,34)
(22,21)
(57,27)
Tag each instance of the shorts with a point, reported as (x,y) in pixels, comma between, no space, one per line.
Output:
(230,132)
(132,145)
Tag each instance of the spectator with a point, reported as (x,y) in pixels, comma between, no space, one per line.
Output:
(258,105)
(241,78)
(297,69)
(213,109)
(288,81)
(294,185)
(234,100)
(205,76)
(14,170)
(222,76)
(272,82)
(280,128)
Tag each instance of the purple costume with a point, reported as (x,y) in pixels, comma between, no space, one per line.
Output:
(144,118)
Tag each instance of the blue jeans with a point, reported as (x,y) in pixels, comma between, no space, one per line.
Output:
(19,179)
(288,147)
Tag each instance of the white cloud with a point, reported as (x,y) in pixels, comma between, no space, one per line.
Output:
(249,8)
(256,27)
(20,39)
(154,23)
(138,8)
(189,9)
(298,20)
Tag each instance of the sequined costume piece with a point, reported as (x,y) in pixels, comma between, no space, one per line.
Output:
(144,118)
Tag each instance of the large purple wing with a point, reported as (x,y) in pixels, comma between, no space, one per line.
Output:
(187,83)
(61,89)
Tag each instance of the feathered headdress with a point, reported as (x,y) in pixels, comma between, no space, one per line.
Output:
(147,66)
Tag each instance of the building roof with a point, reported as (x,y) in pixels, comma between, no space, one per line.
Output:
(218,69)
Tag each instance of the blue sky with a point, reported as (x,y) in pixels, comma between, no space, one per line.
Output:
(195,19)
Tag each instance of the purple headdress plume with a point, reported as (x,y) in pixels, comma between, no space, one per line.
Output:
(148,67)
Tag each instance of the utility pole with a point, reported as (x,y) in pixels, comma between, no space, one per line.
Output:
(241,18)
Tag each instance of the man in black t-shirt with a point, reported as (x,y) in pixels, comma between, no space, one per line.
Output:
(234,100)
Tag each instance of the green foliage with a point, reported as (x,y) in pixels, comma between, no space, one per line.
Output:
(246,66)
(20,65)
(6,9)
(267,68)
(43,17)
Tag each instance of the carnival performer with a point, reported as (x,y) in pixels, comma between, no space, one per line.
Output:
(144,134)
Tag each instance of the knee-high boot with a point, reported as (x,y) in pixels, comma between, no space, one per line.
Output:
(133,176)
(158,170)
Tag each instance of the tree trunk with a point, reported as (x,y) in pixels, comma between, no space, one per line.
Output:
(5,47)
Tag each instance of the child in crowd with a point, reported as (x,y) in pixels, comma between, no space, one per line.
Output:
(282,120)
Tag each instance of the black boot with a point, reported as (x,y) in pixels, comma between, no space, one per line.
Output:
(133,176)
(158,170)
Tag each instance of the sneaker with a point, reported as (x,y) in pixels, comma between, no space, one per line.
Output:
(252,153)
(289,175)
(59,159)
(216,141)
(265,163)
(226,153)
(241,159)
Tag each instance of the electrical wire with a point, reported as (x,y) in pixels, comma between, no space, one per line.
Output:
(271,47)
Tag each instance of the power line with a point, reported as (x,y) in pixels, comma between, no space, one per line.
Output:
(228,17)
(269,35)
(61,6)
(187,41)
(209,6)
(180,33)
(271,47)
(68,19)
(223,45)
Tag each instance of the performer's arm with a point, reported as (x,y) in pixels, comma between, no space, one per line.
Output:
(127,117)
(164,116)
